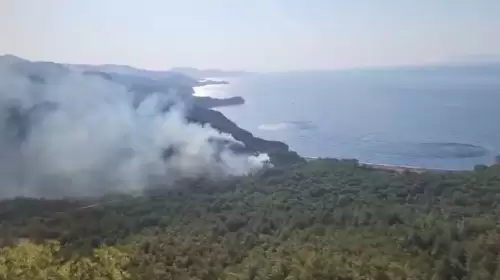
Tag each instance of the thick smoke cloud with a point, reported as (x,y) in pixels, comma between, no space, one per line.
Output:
(69,134)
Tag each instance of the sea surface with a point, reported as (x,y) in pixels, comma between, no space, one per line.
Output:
(441,117)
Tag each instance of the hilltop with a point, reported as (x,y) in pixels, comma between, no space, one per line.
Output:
(325,219)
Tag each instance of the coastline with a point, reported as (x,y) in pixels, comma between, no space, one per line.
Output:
(211,102)
(203,82)
(399,168)
(405,168)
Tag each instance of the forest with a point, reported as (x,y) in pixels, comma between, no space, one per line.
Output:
(324,219)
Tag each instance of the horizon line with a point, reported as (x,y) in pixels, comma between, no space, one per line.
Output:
(353,68)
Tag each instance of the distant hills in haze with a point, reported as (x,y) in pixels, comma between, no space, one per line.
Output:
(208,73)
(190,72)
(187,75)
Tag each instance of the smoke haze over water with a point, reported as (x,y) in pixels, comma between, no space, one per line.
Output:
(68,134)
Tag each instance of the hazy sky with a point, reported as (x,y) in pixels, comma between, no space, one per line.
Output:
(259,35)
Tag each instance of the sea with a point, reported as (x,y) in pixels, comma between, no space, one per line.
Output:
(430,117)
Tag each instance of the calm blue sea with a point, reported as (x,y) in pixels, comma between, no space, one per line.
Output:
(430,117)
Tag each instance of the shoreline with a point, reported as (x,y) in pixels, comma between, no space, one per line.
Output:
(400,168)
(403,168)
(238,100)
(204,82)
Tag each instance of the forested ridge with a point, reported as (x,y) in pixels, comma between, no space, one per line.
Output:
(325,219)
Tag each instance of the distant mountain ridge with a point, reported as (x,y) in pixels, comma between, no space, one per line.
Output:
(137,72)
(208,73)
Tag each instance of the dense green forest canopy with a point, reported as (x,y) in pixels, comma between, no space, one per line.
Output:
(325,219)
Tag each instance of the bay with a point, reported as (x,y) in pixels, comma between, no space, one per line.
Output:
(432,117)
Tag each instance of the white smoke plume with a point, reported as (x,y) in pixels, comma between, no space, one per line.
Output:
(80,135)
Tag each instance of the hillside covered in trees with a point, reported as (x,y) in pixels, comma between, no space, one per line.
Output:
(326,219)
